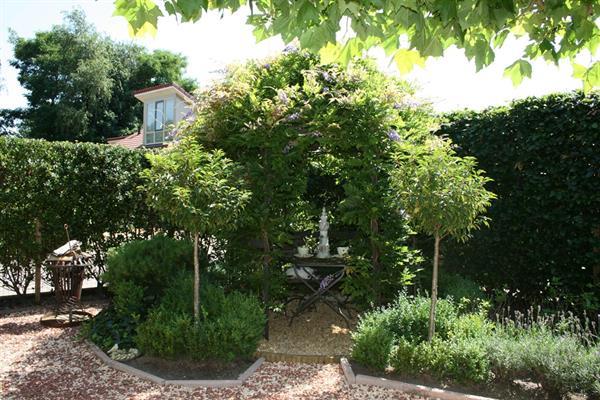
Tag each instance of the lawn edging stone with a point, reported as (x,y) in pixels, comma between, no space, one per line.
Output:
(423,390)
(191,383)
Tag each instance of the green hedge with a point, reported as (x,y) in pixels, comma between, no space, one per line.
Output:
(92,188)
(543,156)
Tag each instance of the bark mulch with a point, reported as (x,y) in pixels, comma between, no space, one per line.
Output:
(37,362)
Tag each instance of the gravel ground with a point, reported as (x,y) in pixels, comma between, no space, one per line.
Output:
(51,363)
(319,331)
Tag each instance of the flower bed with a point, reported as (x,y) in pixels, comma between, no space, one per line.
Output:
(557,356)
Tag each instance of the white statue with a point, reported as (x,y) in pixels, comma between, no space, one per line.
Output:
(323,238)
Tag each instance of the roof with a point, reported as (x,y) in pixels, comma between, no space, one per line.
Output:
(132,141)
(181,90)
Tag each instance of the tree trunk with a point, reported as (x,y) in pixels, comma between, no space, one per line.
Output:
(375,259)
(196,280)
(434,288)
(266,275)
(38,266)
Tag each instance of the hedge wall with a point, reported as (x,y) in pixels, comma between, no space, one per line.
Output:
(92,188)
(544,238)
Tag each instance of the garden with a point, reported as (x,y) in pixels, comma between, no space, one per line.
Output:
(456,251)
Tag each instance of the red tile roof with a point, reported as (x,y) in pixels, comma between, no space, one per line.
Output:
(132,141)
(164,86)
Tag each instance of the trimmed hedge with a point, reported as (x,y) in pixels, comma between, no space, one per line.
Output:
(93,188)
(544,235)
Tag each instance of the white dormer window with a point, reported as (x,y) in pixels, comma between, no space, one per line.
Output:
(160,119)
(164,106)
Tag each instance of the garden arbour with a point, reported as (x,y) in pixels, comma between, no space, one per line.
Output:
(308,136)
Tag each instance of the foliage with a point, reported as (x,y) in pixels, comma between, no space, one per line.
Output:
(409,31)
(443,195)
(561,363)
(110,327)
(80,82)
(372,341)
(309,136)
(408,317)
(558,351)
(139,272)
(197,190)
(542,156)
(231,325)
(461,360)
(460,288)
(58,183)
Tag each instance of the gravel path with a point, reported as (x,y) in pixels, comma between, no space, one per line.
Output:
(50,363)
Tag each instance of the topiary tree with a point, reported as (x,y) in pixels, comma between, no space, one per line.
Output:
(196,190)
(443,195)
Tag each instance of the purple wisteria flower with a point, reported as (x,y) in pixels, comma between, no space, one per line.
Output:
(325,89)
(393,135)
(290,48)
(397,106)
(267,66)
(283,97)
(293,117)
(327,76)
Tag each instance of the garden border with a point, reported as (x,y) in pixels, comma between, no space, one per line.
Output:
(213,383)
(437,393)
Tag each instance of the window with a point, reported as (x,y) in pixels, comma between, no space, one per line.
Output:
(160,116)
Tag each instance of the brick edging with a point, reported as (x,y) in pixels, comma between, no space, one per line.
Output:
(437,393)
(216,383)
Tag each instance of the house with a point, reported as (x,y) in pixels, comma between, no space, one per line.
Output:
(164,107)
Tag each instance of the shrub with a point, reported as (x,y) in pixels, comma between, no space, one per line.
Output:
(372,340)
(231,325)
(109,327)
(561,363)
(236,330)
(459,287)
(167,334)
(145,266)
(409,317)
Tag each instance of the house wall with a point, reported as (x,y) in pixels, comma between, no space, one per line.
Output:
(182,107)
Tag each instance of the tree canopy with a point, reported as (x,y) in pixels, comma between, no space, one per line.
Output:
(80,83)
(411,30)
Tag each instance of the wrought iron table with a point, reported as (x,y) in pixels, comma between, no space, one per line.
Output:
(319,286)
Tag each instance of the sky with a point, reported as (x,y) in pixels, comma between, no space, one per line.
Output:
(449,83)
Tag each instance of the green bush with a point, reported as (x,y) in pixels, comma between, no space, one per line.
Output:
(231,324)
(372,340)
(459,287)
(109,327)
(236,330)
(409,317)
(139,272)
(561,363)
(554,351)
(459,359)
(168,334)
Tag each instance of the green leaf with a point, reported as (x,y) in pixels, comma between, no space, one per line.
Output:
(591,78)
(406,59)
(517,71)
